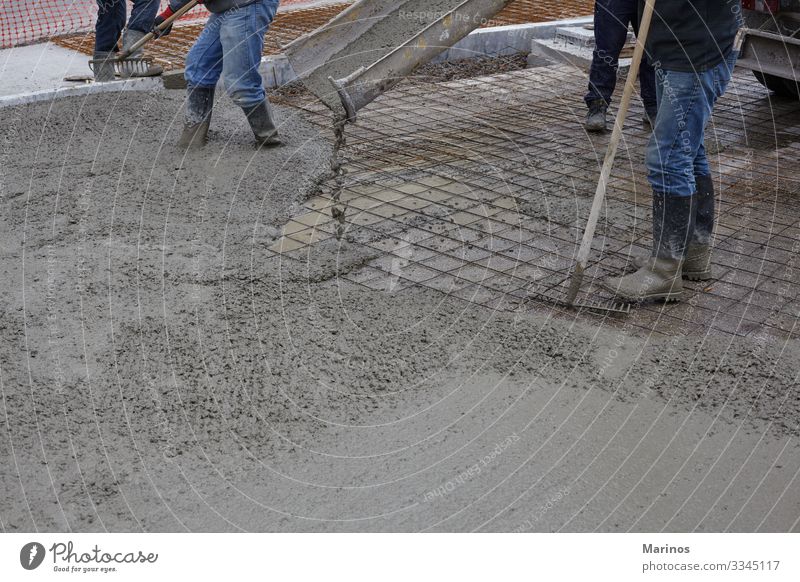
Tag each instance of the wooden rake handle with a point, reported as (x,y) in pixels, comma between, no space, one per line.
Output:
(611,154)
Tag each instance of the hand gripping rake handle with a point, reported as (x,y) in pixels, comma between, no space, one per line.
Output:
(611,154)
(160,28)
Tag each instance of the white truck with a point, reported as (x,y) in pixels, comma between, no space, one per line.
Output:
(771,44)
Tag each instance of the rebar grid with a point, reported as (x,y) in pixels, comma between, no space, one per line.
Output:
(483,187)
(170,51)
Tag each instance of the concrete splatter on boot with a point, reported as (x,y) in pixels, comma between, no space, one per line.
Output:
(697,266)
(103,66)
(596,117)
(697,262)
(199,105)
(128,70)
(660,277)
(260,120)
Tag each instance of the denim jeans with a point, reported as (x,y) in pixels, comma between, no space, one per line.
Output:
(611,19)
(676,152)
(111,15)
(230,47)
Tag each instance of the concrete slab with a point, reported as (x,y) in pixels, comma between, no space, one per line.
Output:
(39,67)
(36,73)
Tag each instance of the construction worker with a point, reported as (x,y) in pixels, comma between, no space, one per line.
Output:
(611,20)
(692,47)
(230,47)
(111,16)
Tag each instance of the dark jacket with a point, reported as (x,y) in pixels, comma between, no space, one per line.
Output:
(214,5)
(692,35)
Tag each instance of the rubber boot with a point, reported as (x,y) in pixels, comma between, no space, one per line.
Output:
(260,119)
(199,105)
(596,117)
(697,262)
(661,275)
(127,69)
(103,66)
(697,266)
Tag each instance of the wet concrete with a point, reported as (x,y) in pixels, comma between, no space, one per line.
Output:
(162,370)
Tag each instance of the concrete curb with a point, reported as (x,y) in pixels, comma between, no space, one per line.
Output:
(143,84)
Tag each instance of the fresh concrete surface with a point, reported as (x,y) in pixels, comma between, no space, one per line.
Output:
(162,370)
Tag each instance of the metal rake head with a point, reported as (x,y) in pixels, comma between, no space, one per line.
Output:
(603,307)
(130,67)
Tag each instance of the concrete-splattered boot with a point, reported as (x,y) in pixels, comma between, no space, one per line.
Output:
(697,262)
(596,117)
(103,66)
(697,265)
(260,119)
(199,105)
(660,277)
(127,70)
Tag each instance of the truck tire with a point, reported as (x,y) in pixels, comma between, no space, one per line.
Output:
(781,86)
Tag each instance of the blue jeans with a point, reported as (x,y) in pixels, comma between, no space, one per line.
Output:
(611,19)
(230,47)
(111,15)
(676,153)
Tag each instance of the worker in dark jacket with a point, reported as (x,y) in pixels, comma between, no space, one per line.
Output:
(611,20)
(111,15)
(691,46)
(229,47)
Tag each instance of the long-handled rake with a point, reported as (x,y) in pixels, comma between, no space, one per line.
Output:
(124,64)
(602,185)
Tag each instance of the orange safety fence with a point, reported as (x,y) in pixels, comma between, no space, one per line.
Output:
(28,21)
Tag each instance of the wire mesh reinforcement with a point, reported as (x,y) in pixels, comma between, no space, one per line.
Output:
(170,51)
(25,22)
(480,188)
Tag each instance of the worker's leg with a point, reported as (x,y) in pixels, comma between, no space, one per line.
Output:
(684,107)
(698,254)
(242,37)
(647,75)
(610,33)
(143,14)
(141,22)
(203,70)
(109,25)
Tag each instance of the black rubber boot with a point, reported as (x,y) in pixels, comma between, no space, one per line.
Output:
(596,118)
(260,119)
(661,275)
(697,266)
(199,104)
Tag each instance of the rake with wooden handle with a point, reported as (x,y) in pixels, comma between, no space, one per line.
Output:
(605,174)
(140,65)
